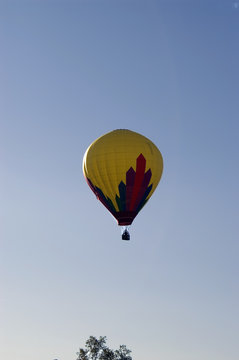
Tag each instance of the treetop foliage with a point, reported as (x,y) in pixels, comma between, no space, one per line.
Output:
(96,349)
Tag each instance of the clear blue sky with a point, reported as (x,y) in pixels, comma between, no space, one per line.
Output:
(70,72)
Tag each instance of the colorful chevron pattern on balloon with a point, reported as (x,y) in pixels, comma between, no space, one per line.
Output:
(132,196)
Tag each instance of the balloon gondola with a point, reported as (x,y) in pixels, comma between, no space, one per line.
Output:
(123,169)
(125,233)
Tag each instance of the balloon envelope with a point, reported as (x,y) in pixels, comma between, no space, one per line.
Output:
(123,169)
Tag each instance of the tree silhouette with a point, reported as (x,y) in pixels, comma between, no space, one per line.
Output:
(96,349)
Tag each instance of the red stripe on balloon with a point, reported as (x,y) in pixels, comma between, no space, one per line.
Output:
(130,177)
(139,176)
(143,188)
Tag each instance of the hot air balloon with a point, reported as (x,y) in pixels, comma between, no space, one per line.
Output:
(123,169)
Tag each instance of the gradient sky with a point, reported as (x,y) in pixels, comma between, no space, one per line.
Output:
(70,72)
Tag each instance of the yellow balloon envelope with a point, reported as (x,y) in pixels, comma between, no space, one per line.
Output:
(123,168)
